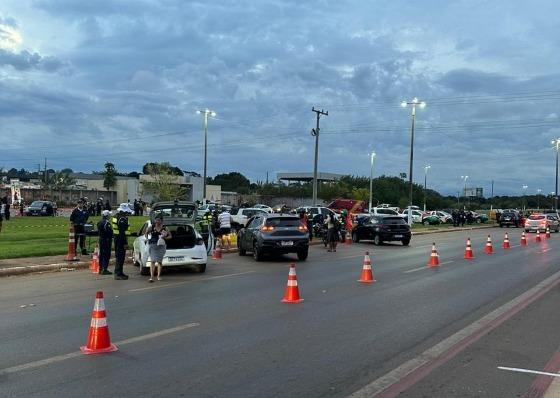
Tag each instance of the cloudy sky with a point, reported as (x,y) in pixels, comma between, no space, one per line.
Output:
(85,82)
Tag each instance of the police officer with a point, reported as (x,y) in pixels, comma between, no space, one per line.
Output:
(121,231)
(78,219)
(105,238)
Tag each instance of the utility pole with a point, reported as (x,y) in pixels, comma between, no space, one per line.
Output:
(492,196)
(207,112)
(315,133)
(45,176)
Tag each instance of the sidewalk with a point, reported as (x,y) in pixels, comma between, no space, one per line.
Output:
(20,266)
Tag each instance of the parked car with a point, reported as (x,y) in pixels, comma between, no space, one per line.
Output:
(316,210)
(416,215)
(539,222)
(266,208)
(382,229)
(273,234)
(240,218)
(444,217)
(431,219)
(40,208)
(185,248)
(510,218)
(384,211)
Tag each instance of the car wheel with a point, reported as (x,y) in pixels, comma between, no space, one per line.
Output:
(377,241)
(302,254)
(257,255)
(355,237)
(240,249)
(478,221)
(201,268)
(406,242)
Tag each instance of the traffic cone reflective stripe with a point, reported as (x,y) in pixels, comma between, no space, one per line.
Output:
(523,241)
(488,249)
(434,257)
(71,256)
(468,251)
(98,340)
(547,232)
(538,237)
(367,272)
(291,295)
(348,238)
(505,245)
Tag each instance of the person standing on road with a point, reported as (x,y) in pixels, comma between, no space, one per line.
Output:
(156,236)
(107,205)
(121,231)
(1,214)
(105,238)
(332,232)
(225,227)
(6,208)
(78,219)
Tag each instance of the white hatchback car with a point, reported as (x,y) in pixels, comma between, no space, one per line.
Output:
(185,248)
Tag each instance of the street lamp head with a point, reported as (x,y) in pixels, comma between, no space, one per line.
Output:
(422,105)
(213,114)
(198,112)
(403,104)
(525,186)
(415,100)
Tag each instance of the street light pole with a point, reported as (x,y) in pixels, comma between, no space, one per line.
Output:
(426,168)
(315,133)
(206,113)
(556,143)
(371,182)
(404,104)
(524,193)
(465,190)
(539,198)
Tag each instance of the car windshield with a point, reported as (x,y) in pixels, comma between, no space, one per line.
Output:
(283,222)
(393,221)
(178,211)
(508,215)
(537,217)
(386,211)
(252,212)
(36,204)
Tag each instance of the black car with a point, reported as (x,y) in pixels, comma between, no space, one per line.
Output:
(273,234)
(382,229)
(512,218)
(40,208)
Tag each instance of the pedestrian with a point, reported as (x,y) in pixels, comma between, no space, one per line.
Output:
(121,231)
(78,219)
(108,205)
(55,209)
(462,217)
(6,208)
(99,207)
(156,236)
(136,207)
(455,216)
(1,214)
(225,227)
(21,208)
(332,232)
(105,242)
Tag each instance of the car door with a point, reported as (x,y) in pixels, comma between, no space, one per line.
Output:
(250,232)
(371,228)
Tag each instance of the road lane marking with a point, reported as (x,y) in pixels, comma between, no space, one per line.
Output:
(60,358)
(529,371)
(414,370)
(427,267)
(141,289)
(545,250)
(514,246)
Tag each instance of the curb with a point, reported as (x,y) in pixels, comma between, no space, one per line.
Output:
(440,231)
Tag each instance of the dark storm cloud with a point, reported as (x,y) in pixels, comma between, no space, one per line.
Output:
(25,60)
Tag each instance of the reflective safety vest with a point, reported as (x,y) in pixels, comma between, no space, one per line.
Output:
(115,227)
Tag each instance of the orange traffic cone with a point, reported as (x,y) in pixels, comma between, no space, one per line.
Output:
(547,232)
(291,295)
(98,337)
(71,256)
(94,265)
(434,257)
(348,238)
(367,272)
(488,249)
(217,252)
(468,251)
(505,245)
(523,241)
(538,237)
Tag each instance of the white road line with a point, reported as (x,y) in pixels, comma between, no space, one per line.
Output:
(383,382)
(514,246)
(529,371)
(545,250)
(141,289)
(60,358)
(426,267)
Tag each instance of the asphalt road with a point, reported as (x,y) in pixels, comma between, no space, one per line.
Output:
(225,333)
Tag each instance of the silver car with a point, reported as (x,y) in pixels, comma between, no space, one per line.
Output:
(539,222)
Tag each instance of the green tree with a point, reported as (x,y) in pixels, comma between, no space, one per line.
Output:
(163,167)
(232,181)
(110,176)
(164,185)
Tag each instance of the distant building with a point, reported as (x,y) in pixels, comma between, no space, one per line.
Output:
(308,177)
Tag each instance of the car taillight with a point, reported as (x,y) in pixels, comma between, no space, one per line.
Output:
(543,222)
(302,228)
(267,228)
(199,241)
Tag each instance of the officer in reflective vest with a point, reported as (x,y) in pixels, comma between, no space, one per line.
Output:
(121,231)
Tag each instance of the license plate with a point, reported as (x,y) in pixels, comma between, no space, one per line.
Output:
(398,236)
(287,243)
(175,259)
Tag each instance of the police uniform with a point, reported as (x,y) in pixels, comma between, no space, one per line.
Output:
(105,241)
(121,231)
